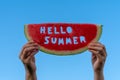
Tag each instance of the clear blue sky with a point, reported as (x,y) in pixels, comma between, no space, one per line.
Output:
(15,13)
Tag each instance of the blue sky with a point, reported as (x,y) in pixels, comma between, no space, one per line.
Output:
(14,14)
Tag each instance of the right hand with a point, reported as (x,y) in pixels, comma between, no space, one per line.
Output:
(99,55)
(27,56)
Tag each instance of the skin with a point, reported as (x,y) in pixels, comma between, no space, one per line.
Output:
(28,59)
(98,59)
(97,50)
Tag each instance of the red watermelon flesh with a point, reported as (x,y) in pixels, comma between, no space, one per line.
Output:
(63,38)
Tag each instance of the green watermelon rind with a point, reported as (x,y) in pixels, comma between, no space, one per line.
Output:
(65,53)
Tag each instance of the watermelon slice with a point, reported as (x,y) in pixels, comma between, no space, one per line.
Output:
(63,38)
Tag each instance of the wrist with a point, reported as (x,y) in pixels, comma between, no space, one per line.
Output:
(30,76)
(98,75)
(30,70)
(98,71)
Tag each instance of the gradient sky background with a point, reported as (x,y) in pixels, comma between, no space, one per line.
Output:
(15,13)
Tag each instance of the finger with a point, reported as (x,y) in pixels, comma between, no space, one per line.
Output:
(96,48)
(31,52)
(96,44)
(33,59)
(105,53)
(32,56)
(27,48)
(26,51)
(96,54)
(93,56)
(31,41)
(29,55)
(31,44)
